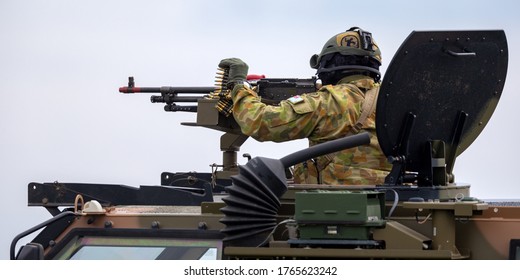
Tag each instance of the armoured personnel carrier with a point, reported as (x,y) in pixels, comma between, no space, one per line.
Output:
(437,95)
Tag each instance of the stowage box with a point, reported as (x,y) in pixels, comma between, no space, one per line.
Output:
(325,214)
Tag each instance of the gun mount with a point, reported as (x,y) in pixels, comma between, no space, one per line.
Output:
(213,109)
(438,94)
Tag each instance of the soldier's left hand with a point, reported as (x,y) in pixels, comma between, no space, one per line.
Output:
(237,70)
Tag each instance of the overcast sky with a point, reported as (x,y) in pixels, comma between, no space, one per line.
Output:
(62,62)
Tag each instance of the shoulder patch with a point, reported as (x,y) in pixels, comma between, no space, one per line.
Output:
(295,99)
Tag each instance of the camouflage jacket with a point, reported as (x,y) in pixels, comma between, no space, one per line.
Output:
(327,114)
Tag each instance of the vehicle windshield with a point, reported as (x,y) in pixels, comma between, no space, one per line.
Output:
(135,248)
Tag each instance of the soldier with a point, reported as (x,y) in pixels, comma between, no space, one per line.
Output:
(348,67)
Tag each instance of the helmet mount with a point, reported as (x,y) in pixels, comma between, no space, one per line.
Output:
(365,36)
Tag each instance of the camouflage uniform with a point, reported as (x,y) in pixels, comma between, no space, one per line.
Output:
(327,114)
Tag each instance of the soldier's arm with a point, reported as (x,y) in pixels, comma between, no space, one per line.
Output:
(290,120)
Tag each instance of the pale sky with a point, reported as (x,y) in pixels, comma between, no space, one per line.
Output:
(62,62)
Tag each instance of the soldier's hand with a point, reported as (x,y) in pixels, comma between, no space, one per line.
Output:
(237,70)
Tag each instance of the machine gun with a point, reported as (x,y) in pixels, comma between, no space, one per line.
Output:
(213,106)
(271,90)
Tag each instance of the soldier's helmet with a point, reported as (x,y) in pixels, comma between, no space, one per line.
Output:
(352,50)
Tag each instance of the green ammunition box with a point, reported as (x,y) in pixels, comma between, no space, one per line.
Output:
(338,214)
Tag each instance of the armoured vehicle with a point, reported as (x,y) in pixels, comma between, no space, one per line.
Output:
(437,95)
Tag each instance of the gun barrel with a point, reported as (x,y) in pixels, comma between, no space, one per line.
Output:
(139,89)
(167,90)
